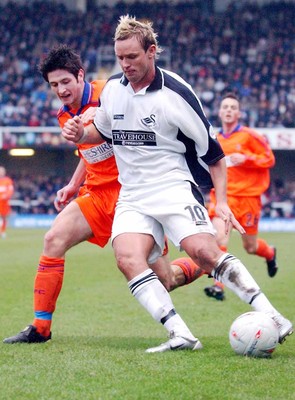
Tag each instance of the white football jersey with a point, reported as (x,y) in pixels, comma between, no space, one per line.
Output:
(159,134)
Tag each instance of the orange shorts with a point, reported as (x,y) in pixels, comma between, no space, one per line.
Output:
(247,211)
(98,207)
(5,208)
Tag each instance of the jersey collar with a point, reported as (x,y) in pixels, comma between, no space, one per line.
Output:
(86,97)
(156,84)
(227,134)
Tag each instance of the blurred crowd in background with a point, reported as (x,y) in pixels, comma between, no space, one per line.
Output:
(248,49)
(35,194)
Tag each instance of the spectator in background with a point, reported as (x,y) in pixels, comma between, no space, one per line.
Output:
(281,199)
(249,159)
(6,192)
(34,187)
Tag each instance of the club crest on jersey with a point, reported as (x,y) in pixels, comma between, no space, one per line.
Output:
(149,121)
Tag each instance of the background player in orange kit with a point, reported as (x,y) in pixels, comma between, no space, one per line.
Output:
(249,158)
(6,192)
(90,215)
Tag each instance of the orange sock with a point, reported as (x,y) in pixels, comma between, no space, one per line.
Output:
(48,283)
(191,270)
(217,283)
(264,250)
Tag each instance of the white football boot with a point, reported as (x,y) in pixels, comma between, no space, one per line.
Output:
(285,327)
(177,342)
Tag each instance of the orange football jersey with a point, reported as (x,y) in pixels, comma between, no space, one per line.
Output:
(252,177)
(101,168)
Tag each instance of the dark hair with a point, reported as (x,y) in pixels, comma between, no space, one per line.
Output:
(61,57)
(230,95)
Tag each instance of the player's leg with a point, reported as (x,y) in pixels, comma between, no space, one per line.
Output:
(229,270)
(185,271)
(3,226)
(69,228)
(270,254)
(179,272)
(257,246)
(216,290)
(134,253)
(164,271)
(4,212)
(251,207)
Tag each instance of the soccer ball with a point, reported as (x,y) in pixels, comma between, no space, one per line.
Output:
(254,334)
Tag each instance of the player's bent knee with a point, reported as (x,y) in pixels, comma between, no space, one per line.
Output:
(54,241)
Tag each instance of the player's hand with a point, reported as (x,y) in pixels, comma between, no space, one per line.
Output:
(73,129)
(88,115)
(63,197)
(223,211)
(236,159)
(59,204)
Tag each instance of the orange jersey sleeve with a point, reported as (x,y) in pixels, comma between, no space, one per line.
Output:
(252,177)
(99,160)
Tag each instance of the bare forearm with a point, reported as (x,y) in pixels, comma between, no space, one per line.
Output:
(79,175)
(90,135)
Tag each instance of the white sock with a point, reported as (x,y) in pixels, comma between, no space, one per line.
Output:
(261,303)
(176,324)
(153,296)
(235,276)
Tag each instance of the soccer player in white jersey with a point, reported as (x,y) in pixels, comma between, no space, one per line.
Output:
(163,145)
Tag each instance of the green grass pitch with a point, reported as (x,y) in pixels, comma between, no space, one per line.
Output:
(100,332)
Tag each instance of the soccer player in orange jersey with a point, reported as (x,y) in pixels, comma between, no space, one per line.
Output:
(89,216)
(249,159)
(6,192)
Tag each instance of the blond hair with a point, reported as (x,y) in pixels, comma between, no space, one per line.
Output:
(143,30)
